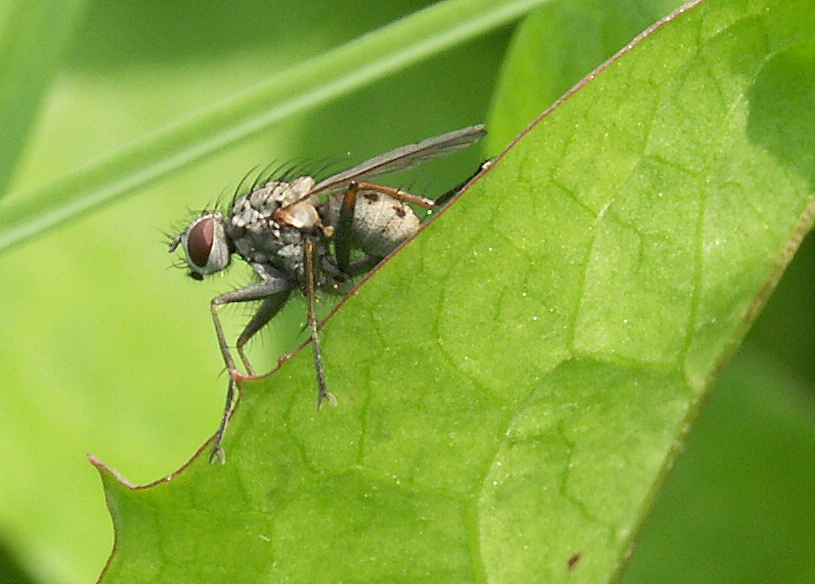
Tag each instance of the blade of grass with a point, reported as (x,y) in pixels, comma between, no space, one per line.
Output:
(33,37)
(328,76)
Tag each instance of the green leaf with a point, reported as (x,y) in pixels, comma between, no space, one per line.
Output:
(515,383)
(558,46)
(737,503)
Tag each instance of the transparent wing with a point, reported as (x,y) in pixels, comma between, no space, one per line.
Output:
(403,158)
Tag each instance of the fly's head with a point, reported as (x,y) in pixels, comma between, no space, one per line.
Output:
(206,245)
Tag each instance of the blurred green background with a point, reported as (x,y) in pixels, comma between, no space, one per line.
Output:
(105,350)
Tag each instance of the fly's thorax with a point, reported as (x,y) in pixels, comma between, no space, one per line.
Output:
(254,228)
(270,226)
(255,209)
(285,251)
(381,223)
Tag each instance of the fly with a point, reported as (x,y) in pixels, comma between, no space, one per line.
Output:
(286,232)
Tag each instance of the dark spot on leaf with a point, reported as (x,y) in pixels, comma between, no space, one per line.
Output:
(573,561)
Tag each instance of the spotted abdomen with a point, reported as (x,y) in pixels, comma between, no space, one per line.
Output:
(381,223)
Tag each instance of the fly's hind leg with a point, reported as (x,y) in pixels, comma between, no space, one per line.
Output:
(448,196)
(362,265)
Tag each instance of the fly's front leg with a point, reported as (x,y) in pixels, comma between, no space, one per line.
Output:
(272,285)
(218,452)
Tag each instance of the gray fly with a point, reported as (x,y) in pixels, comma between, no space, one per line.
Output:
(301,234)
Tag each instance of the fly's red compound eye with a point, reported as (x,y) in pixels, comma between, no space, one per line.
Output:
(199,241)
(205,244)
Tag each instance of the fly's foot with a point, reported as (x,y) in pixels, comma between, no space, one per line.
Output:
(217,455)
(231,393)
(325,396)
